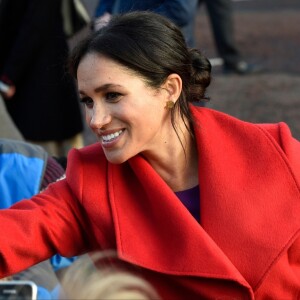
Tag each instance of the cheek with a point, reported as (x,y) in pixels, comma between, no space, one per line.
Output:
(88,116)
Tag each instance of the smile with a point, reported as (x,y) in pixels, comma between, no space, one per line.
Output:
(110,137)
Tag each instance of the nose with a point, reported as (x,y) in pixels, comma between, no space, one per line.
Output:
(98,117)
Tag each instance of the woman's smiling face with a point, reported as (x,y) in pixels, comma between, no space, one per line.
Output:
(127,115)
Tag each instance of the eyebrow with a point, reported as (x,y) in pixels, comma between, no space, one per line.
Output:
(102,88)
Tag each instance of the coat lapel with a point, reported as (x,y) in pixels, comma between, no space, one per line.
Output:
(250,202)
(146,214)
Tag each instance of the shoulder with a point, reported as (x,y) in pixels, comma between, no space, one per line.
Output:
(8,146)
(222,130)
(206,117)
(87,157)
(87,151)
(87,161)
(222,126)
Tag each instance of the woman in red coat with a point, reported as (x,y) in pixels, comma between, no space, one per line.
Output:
(202,205)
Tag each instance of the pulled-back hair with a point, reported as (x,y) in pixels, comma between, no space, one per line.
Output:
(153,48)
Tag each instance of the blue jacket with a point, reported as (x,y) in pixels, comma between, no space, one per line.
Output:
(181,12)
(22,167)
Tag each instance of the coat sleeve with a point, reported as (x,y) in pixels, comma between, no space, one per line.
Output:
(35,229)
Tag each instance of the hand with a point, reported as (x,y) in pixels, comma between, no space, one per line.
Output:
(6,90)
(10,92)
(101,21)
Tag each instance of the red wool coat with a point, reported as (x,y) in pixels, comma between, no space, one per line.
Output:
(247,245)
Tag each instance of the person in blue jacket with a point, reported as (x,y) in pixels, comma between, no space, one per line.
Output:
(25,170)
(181,12)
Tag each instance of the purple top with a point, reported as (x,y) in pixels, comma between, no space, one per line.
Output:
(191,200)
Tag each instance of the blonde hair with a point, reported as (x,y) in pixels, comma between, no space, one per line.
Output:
(83,280)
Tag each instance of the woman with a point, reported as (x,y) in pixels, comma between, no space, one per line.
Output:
(200,204)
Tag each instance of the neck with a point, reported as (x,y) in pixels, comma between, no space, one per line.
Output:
(177,162)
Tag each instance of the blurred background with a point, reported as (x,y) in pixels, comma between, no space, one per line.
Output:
(267,32)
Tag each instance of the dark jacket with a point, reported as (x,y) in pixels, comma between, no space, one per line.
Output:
(33,55)
(181,12)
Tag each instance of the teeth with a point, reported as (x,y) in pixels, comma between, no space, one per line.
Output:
(109,137)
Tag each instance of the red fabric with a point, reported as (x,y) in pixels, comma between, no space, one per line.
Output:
(248,244)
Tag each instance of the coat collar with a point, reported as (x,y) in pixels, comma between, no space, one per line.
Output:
(248,199)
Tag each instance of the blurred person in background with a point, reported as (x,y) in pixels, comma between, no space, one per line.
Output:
(41,97)
(220,13)
(102,276)
(180,12)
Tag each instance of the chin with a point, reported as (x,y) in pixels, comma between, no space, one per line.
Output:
(116,159)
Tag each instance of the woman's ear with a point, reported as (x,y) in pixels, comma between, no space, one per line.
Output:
(173,86)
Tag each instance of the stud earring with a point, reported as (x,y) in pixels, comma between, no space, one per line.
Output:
(169,104)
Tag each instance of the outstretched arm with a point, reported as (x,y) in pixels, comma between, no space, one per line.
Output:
(33,230)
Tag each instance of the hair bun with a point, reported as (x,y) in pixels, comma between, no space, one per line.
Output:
(200,64)
(200,75)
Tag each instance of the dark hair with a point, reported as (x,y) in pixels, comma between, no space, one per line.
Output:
(152,47)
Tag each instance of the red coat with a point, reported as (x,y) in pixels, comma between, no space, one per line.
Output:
(248,243)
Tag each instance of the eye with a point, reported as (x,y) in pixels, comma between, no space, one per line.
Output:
(88,102)
(113,96)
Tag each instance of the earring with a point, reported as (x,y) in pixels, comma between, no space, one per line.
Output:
(169,104)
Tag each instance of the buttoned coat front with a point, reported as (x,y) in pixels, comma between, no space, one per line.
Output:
(247,245)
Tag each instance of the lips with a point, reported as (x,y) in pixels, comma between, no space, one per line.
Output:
(111,137)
